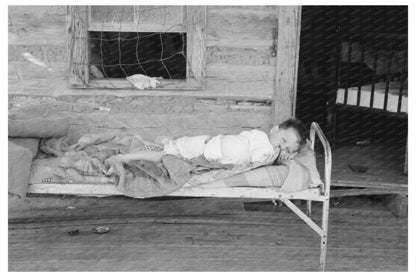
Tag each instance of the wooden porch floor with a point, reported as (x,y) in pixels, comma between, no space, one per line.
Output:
(199,235)
(384,175)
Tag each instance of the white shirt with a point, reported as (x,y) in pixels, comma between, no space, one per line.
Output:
(247,147)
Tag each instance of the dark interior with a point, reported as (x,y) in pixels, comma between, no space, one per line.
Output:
(122,54)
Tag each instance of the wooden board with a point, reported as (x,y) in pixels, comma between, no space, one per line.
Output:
(384,169)
(288,34)
(112,14)
(359,239)
(36,25)
(88,208)
(236,23)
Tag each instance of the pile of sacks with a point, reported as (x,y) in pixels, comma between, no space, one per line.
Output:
(25,128)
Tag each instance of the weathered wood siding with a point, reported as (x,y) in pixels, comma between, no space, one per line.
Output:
(240,71)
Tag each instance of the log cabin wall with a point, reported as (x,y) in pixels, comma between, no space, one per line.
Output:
(240,87)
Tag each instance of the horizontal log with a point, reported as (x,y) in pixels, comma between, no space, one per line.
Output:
(239,54)
(50,53)
(241,23)
(212,41)
(167,124)
(27,70)
(239,72)
(37,25)
(257,89)
(150,133)
(245,7)
(135,27)
(55,87)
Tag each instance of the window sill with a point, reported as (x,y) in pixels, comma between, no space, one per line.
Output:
(188,84)
(59,87)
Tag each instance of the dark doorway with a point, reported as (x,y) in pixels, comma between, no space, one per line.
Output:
(327,63)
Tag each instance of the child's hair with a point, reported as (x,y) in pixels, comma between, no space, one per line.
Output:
(298,126)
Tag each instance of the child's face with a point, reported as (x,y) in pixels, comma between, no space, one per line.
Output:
(286,139)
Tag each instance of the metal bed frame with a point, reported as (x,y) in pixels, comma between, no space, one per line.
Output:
(319,194)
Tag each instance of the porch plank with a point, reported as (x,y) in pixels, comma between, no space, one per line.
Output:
(360,239)
(385,168)
(160,236)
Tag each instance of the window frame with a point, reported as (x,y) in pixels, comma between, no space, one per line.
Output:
(79,23)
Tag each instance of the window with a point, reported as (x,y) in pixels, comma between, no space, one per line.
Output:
(108,43)
(121,54)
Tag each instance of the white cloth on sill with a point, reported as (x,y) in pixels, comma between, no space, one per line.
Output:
(141,81)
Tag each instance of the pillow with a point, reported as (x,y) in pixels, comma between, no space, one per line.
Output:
(19,163)
(35,123)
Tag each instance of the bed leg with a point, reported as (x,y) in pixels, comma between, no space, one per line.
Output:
(309,208)
(322,260)
(324,237)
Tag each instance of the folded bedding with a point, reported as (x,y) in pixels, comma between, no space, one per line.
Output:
(19,163)
(23,123)
(26,126)
(83,163)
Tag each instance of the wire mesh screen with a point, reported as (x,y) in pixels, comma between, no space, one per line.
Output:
(122,54)
(127,40)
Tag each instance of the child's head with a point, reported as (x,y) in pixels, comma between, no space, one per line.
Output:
(289,136)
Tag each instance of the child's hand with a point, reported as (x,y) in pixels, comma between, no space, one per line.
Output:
(115,164)
(284,155)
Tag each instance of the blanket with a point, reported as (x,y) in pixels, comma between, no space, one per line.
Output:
(83,162)
(297,174)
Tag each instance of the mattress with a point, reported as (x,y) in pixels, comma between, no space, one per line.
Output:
(379,95)
(264,182)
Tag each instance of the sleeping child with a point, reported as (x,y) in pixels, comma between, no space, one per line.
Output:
(252,146)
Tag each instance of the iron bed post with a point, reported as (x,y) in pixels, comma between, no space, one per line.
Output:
(322,230)
(315,129)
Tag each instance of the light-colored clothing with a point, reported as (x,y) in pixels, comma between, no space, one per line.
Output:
(186,147)
(247,147)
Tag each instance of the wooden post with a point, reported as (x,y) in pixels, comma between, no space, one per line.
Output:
(405,159)
(77,45)
(196,20)
(287,56)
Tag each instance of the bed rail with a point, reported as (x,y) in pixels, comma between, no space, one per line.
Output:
(316,130)
(382,61)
